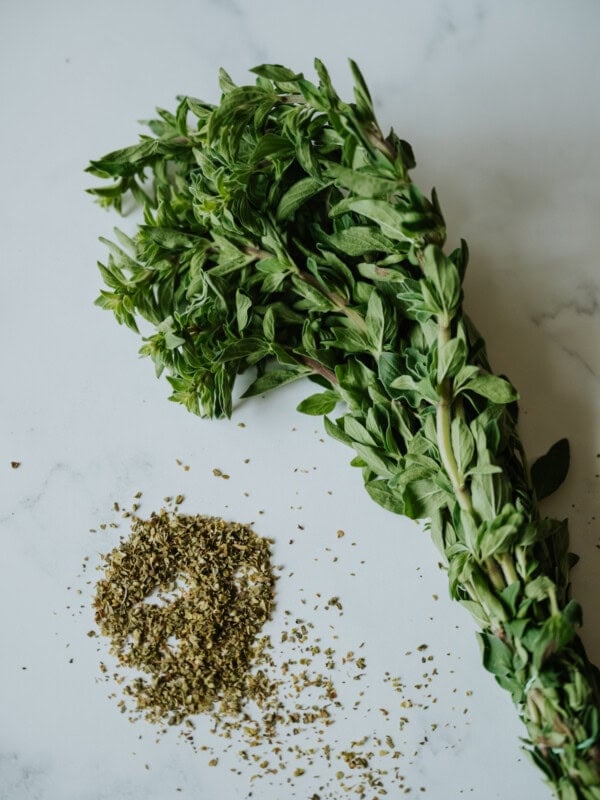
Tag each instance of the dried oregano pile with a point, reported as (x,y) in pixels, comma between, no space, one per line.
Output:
(182,601)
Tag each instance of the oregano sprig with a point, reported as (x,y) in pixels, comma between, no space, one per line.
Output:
(282,232)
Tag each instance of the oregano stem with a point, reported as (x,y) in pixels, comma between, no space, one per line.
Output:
(320,369)
(507,565)
(337,300)
(495,574)
(443,427)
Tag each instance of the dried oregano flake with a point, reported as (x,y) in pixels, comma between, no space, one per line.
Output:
(182,601)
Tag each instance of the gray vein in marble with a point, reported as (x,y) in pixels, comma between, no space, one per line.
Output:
(29,502)
(586,302)
(257,49)
(20,780)
(580,359)
(132,472)
(449,26)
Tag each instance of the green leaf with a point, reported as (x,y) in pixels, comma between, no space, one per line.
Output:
(316,404)
(389,219)
(357,431)
(550,470)
(422,389)
(484,469)
(128,161)
(272,380)
(460,570)
(362,96)
(566,788)
(314,296)
(496,538)
(171,339)
(296,195)
(405,383)
(348,339)
(443,275)
(497,656)
(355,379)
(429,299)
(363,182)
(460,258)
(492,388)
(225,82)
(555,633)
(510,596)
(476,612)
(375,459)
(243,304)
(540,588)
(422,498)
(276,72)
(467,373)
(269,324)
(168,238)
(390,367)
(573,614)
(230,119)
(336,431)
(244,348)
(380,492)
(483,493)
(359,240)
(463,444)
(451,359)
(549,768)
(273,147)
(375,321)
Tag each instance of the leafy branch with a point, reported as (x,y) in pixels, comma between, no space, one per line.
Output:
(282,232)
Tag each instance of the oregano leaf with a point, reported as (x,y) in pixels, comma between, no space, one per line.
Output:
(496,389)
(549,471)
(296,195)
(317,404)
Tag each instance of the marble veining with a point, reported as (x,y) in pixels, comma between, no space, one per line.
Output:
(19,778)
(576,355)
(578,320)
(451,22)
(584,302)
(31,501)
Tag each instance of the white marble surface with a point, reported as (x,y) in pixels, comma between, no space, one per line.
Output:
(500,101)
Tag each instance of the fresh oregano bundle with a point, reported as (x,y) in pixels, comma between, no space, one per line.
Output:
(282,232)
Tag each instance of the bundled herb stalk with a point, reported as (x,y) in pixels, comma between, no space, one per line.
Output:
(282,232)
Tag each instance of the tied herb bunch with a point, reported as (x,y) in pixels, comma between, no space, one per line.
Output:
(281,232)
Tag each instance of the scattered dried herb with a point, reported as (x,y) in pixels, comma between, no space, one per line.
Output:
(278,707)
(282,232)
